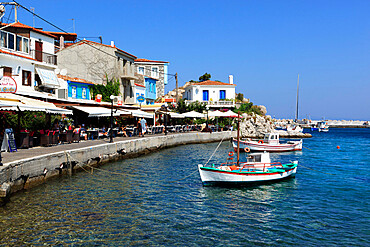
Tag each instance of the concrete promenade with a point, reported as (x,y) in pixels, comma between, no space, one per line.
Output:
(30,167)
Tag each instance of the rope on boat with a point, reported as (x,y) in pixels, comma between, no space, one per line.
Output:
(99,169)
(307,148)
(214,151)
(315,169)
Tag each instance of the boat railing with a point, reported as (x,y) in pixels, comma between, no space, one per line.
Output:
(254,165)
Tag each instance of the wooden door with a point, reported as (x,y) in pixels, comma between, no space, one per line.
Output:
(38,51)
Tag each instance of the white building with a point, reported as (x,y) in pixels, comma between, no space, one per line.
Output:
(215,93)
(27,55)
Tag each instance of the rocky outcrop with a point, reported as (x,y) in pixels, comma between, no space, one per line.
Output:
(255,126)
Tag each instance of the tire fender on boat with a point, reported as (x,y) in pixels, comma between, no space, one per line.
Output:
(231,154)
(260,141)
(247,150)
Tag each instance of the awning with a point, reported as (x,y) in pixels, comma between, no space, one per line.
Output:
(172,114)
(217,114)
(193,114)
(140,113)
(48,78)
(12,102)
(97,111)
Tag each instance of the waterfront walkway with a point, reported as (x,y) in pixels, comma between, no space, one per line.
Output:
(40,150)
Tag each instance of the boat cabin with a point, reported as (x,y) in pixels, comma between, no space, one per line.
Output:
(259,158)
(271,138)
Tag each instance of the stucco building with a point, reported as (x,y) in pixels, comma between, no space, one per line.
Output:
(154,69)
(96,62)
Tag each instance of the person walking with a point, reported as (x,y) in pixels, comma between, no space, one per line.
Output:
(139,129)
(143,126)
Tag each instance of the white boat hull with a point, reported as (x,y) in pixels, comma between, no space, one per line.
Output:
(218,176)
(261,147)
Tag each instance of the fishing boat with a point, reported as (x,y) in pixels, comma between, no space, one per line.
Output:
(269,143)
(322,126)
(257,169)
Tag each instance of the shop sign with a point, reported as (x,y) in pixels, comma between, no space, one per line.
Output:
(8,85)
(98,98)
(140,98)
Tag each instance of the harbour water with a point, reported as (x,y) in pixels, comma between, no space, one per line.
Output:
(158,200)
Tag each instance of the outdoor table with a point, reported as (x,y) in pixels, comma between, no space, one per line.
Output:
(92,134)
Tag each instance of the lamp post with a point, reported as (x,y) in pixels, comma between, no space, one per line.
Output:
(111,120)
(207,108)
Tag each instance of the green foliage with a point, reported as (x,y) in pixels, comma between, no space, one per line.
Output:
(239,97)
(248,108)
(31,121)
(111,88)
(205,77)
(194,106)
(181,106)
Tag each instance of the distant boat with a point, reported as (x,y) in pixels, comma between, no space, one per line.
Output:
(322,126)
(257,169)
(269,143)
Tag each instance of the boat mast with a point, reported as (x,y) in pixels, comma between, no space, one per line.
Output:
(296,114)
(237,137)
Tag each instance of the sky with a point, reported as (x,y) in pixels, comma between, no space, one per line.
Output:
(263,44)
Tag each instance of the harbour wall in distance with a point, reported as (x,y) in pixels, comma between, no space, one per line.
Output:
(30,172)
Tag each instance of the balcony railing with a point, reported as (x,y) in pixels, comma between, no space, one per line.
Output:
(44,57)
(220,103)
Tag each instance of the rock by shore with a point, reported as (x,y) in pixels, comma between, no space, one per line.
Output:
(255,126)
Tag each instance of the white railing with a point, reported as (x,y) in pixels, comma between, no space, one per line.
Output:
(222,103)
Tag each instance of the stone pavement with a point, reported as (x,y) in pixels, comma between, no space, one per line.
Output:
(36,151)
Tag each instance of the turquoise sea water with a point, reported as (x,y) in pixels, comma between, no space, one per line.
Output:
(158,200)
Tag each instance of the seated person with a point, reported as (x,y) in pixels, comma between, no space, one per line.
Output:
(123,131)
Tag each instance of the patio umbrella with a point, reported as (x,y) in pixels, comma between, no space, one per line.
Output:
(193,114)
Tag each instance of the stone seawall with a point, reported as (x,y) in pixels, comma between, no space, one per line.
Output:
(30,172)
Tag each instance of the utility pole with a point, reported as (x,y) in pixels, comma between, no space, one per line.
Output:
(296,115)
(177,89)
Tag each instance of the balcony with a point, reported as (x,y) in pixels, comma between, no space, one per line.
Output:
(215,104)
(44,57)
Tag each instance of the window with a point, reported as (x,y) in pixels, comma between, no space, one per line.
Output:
(4,39)
(19,43)
(74,92)
(11,41)
(140,70)
(155,72)
(22,44)
(7,71)
(205,95)
(222,94)
(26,78)
(84,93)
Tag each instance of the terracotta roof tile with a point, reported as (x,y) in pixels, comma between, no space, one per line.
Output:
(93,42)
(211,83)
(149,61)
(74,79)
(21,25)
(139,85)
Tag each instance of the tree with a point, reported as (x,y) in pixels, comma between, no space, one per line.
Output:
(240,97)
(111,88)
(205,77)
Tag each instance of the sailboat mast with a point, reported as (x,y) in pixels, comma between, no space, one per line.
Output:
(237,138)
(296,114)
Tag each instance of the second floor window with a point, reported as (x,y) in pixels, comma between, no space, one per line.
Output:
(222,94)
(155,72)
(140,70)
(13,42)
